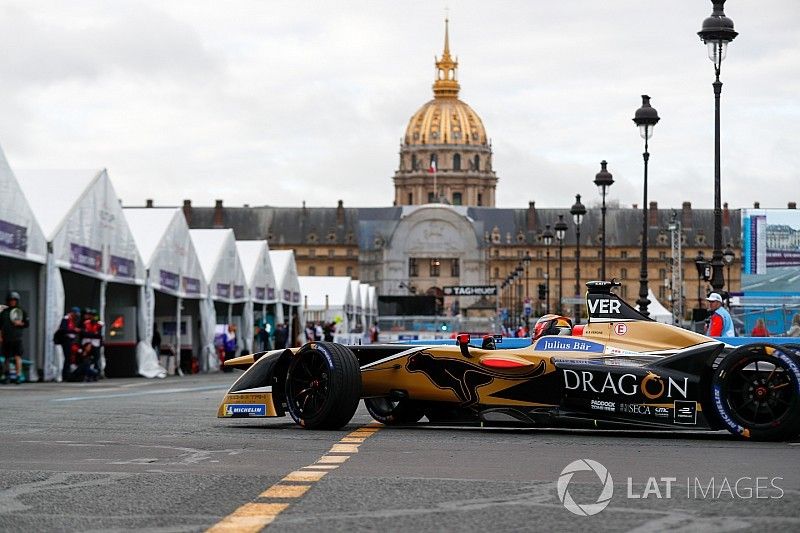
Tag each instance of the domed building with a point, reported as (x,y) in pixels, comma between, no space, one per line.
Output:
(446,156)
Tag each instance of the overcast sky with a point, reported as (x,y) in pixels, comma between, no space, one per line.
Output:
(274,103)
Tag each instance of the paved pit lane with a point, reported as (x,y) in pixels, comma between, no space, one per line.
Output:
(148,455)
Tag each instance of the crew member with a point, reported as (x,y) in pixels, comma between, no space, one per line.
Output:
(721,323)
(13,319)
(67,337)
(91,341)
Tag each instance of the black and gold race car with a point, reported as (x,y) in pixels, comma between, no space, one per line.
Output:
(623,370)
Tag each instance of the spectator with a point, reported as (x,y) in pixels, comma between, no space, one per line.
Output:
(13,319)
(229,345)
(794,330)
(67,337)
(156,342)
(310,332)
(374,333)
(721,323)
(760,329)
(328,331)
(281,334)
(319,332)
(91,341)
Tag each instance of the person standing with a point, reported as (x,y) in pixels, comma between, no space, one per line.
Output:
(281,335)
(91,341)
(67,337)
(13,319)
(374,333)
(760,329)
(721,323)
(794,330)
(229,344)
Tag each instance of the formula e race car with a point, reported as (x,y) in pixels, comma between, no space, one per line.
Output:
(622,370)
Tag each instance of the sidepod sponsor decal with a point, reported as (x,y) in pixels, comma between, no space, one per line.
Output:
(685,412)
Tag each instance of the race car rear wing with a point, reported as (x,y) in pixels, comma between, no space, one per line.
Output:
(605,306)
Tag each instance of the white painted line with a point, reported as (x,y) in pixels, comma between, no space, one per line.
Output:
(141,393)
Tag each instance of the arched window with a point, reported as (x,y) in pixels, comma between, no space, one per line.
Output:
(414,163)
(457,162)
(312,271)
(457,198)
(477,162)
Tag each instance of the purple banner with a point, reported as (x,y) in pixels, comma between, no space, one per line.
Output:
(121,267)
(287,296)
(270,293)
(13,237)
(261,293)
(83,258)
(238,291)
(169,280)
(296,297)
(783,258)
(223,290)
(191,285)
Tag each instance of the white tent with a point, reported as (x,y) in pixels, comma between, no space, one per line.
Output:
(257,267)
(81,217)
(658,312)
(366,314)
(373,304)
(219,259)
(288,291)
(357,325)
(173,268)
(329,299)
(23,250)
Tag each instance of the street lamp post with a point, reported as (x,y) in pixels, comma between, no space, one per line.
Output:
(578,210)
(527,261)
(547,238)
(728,256)
(561,233)
(603,179)
(700,263)
(646,118)
(716,33)
(518,288)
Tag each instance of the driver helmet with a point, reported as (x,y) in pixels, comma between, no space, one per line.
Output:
(552,325)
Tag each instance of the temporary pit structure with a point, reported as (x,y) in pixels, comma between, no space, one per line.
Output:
(173,291)
(219,259)
(287,288)
(257,267)
(23,252)
(329,299)
(373,304)
(357,321)
(363,290)
(92,259)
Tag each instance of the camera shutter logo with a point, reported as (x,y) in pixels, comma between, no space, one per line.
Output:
(586,509)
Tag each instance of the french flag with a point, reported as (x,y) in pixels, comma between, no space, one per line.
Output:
(432,169)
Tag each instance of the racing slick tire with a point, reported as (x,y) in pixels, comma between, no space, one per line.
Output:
(756,392)
(323,385)
(394,412)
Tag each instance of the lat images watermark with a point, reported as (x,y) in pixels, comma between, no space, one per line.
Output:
(664,487)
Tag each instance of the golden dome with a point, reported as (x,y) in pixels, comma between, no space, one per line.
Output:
(446,119)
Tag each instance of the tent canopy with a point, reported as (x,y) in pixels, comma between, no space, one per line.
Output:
(257,267)
(162,237)
(373,301)
(219,260)
(20,233)
(335,289)
(355,293)
(80,214)
(285,270)
(658,312)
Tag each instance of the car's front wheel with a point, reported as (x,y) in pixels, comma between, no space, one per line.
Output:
(394,412)
(756,392)
(323,385)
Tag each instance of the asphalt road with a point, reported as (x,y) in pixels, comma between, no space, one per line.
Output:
(150,455)
(777,279)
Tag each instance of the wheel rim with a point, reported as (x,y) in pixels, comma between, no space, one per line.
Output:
(760,391)
(307,386)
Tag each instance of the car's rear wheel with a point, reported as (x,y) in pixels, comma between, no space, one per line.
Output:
(323,385)
(394,412)
(756,392)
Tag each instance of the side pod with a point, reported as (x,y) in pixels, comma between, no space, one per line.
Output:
(259,392)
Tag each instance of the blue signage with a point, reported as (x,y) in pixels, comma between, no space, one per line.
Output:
(568,344)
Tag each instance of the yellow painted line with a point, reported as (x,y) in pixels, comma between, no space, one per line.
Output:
(344,448)
(249,517)
(285,491)
(255,516)
(333,459)
(300,475)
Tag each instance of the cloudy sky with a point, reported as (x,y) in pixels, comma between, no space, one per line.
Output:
(265,102)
